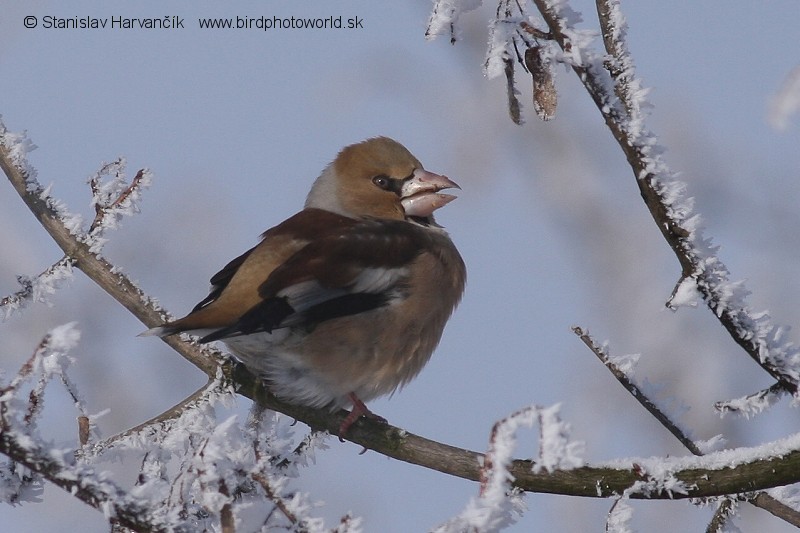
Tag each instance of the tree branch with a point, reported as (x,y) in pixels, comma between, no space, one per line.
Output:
(635,391)
(172,413)
(99,270)
(776,507)
(663,198)
(701,476)
(83,483)
(763,500)
(696,479)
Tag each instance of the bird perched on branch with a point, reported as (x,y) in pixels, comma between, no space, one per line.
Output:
(346,300)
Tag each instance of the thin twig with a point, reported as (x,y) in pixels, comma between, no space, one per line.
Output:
(154,423)
(762,499)
(618,62)
(723,512)
(27,292)
(101,211)
(275,498)
(388,440)
(99,270)
(80,483)
(777,508)
(602,354)
(642,155)
(620,66)
(763,398)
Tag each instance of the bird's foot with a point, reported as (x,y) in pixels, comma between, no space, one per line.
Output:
(358,410)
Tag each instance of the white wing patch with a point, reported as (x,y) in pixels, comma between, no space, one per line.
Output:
(302,296)
(375,280)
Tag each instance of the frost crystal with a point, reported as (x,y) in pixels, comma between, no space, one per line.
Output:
(750,405)
(18,146)
(498,504)
(19,485)
(38,288)
(685,295)
(196,465)
(619,517)
(612,80)
(556,451)
(112,199)
(625,363)
(500,33)
(445,15)
(715,443)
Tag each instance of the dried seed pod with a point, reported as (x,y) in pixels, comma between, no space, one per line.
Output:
(83,430)
(545,98)
(513,102)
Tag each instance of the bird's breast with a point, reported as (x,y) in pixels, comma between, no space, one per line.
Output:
(371,353)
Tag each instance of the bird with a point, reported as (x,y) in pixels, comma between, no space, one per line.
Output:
(346,300)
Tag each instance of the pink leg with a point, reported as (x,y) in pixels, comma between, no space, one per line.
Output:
(356,412)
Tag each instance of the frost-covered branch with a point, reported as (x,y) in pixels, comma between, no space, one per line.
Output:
(196,471)
(155,424)
(499,502)
(84,483)
(394,442)
(774,501)
(636,391)
(726,509)
(624,376)
(63,227)
(20,441)
(619,62)
(620,99)
(752,404)
(612,83)
(37,288)
(445,15)
(703,272)
(720,473)
(610,79)
(221,456)
(112,199)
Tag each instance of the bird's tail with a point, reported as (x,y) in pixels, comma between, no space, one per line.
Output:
(160,331)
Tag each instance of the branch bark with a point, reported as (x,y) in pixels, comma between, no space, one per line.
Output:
(99,270)
(619,65)
(388,440)
(382,438)
(643,155)
(762,499)
(118,506)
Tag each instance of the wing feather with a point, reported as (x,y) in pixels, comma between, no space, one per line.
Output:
(355,268)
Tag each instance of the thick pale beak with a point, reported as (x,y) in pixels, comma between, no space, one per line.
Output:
(420,195)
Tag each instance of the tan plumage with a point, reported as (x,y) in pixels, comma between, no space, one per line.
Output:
(346,300)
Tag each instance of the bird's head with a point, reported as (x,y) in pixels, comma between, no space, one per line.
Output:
(380,178)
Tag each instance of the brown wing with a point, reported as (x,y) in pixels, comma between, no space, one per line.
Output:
(235,288)
(349,269)
(221,279)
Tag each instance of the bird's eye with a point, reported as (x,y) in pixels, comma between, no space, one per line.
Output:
(382,181)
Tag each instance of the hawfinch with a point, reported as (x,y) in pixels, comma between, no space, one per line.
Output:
(346,300)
